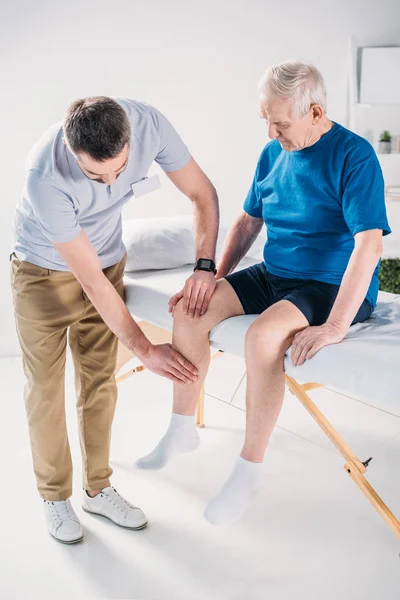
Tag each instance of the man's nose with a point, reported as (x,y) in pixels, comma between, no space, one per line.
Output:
(272,132)
(110,178)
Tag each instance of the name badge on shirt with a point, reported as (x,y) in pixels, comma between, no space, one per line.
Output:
(146,185)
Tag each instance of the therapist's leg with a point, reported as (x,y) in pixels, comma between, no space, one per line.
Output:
(267,341)
(191,339)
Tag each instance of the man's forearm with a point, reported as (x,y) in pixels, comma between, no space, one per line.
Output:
(206,224)
(354,287)
(115,314)
(238,241)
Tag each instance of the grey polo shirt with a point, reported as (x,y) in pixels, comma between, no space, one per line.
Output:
(59,201)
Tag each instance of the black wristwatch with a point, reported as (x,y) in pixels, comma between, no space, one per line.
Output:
(205,264)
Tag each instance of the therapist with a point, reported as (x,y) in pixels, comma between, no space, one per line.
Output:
(67,276)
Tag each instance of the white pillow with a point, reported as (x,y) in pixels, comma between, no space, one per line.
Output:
(158,243)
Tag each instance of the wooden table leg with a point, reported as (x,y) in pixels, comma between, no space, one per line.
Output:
(353,466)
(200,409)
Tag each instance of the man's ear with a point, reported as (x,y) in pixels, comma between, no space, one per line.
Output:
(316,112)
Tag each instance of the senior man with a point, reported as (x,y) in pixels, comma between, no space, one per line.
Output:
(319,190)
(66,272)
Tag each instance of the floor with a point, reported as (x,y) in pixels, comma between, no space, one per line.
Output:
(311,534)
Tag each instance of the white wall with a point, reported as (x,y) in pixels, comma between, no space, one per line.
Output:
(199,62)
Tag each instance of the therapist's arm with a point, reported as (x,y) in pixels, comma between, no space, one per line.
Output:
(352,292)
(84,263)
(199,287)
(194,183)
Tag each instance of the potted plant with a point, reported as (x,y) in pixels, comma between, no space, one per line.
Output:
(385,142)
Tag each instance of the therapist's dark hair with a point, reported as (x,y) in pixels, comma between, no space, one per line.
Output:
(98,126)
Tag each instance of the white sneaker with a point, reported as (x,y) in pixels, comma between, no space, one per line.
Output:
(110,504)
(62,522)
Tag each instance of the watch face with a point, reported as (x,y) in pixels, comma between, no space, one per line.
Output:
(205,263)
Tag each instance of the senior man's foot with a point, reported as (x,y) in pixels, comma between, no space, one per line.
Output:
(236,495)
(181,437)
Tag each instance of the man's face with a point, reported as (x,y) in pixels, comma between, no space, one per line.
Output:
(105,171)
(292,132)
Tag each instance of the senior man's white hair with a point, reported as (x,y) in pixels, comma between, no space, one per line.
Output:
(296,82)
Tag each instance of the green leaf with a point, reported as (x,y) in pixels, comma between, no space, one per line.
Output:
(389,275)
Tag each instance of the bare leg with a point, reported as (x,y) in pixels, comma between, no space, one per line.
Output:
(266,343)
(191,338)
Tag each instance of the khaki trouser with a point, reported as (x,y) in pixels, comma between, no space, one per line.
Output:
(48,304)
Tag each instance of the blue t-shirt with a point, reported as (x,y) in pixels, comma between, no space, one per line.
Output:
(313,201)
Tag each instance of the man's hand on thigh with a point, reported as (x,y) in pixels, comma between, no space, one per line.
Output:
(308,342)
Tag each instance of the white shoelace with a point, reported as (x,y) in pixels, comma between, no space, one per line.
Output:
(62,511)
(117,500)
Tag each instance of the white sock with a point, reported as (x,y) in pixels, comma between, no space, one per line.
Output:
(181,436)
(236,495)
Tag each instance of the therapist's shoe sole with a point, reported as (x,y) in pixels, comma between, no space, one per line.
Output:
(90,512)
(67,543)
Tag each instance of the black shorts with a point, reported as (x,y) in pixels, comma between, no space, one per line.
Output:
(257,290)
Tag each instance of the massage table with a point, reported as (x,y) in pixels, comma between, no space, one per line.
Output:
(365,365)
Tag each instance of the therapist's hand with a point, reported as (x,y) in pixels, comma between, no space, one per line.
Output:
(164,360)
(196,294)
(310,340)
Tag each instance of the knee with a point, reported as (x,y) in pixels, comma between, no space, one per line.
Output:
(265,342)
(179,314)
(183,320)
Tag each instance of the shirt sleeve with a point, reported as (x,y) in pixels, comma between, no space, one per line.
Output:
(172,153)
(253,203)
(54,211)
(363,198)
